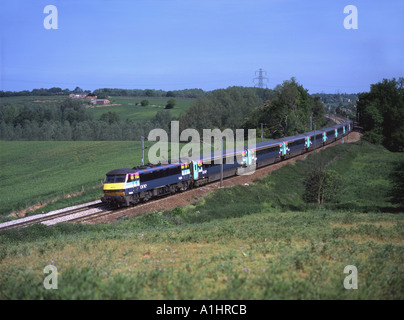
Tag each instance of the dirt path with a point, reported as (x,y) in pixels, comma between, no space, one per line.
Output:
(191,196)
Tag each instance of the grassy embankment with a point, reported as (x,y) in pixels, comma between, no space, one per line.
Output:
(245,242)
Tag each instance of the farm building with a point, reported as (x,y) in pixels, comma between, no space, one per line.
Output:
(82,96)
(100,101)
(77,95)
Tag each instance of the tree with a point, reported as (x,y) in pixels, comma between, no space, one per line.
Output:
(321,186)
(144,103)
(78,90)
(110,117)
(162,120)
(55,90)
(381,113)
(170,104)
(149,93)
(397,177)
(287,111)
(222,108)
(102,96)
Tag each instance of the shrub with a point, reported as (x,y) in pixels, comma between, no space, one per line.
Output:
(321,186)
(170,104)
(144,103)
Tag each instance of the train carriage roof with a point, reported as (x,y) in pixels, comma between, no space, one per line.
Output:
(206,156)
(120,171)
(142,169)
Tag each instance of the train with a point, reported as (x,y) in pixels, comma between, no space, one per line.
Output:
(129,186)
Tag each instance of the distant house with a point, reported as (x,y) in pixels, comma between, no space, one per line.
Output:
(100,101)
(78,95)
(91,96)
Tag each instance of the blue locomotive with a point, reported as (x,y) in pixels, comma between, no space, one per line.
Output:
(125,187)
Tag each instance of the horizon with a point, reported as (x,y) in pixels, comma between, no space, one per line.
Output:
(215,44)
(157,97)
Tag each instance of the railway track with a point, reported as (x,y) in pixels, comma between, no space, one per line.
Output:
(98,215)
(336,119)
(135,210)
(58,216)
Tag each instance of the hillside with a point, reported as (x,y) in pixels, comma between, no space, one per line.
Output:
(259,241)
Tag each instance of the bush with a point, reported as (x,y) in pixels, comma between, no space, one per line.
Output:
(321,186)
(170,104)
(144,103)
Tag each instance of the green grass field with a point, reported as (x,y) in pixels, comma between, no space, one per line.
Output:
(126,108)
(35,171)
(245,242)
(33,99)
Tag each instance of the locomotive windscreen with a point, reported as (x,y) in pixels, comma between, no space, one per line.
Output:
(115,179)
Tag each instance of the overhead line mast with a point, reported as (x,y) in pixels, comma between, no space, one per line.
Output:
(260,78)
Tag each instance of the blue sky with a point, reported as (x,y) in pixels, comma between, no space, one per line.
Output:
(207,44)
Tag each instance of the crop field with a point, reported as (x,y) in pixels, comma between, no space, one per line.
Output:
(245,242)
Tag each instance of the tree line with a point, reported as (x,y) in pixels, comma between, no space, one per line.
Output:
(381,113)
(105,92)
(286,110)
(223,108)
(70,121)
